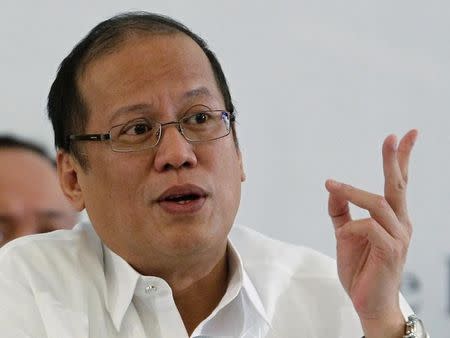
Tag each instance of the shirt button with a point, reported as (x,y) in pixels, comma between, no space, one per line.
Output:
(150,289)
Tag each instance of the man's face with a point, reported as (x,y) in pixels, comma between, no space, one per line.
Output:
(158,77)
(31,200)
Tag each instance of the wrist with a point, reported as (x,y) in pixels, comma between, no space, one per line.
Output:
(389,326)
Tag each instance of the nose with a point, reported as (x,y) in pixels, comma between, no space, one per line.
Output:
(174,151)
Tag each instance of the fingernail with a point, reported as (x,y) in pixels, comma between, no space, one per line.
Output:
(334,184)
(414,138)
(394,144)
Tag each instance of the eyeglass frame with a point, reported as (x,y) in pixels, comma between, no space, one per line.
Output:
(108,137)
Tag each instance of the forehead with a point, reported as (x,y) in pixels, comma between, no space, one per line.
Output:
(20,167)
(22,161)
(29,186)
(28,175)
(154,70)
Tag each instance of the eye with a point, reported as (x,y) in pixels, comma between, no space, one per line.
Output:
(137,128)
(198,118)
(201,118)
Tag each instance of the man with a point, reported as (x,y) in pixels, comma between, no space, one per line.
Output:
(144,126)
(31,200)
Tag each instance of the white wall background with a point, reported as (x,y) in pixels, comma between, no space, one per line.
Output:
(317,83)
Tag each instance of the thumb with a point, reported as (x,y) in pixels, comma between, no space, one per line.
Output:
(338,207)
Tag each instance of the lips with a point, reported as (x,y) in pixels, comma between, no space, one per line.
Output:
(186,198)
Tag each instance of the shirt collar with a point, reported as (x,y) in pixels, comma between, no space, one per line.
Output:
(240,280)
(121,281)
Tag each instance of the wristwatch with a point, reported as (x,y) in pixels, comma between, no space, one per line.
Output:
(414,328)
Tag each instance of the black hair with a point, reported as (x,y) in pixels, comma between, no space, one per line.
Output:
(13,142)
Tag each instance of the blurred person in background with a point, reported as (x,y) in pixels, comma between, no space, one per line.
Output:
(31,200)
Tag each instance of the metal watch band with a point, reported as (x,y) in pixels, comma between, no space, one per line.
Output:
(414,327)
(411,328)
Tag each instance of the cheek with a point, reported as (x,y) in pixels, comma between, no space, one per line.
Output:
(227,167)
(230,191)
(109,186)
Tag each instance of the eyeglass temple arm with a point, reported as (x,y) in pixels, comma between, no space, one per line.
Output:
(89,137)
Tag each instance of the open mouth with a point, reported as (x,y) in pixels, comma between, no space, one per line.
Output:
(183,198)
(186,198)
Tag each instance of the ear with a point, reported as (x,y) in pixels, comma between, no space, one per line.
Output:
(241,166)
(68,171)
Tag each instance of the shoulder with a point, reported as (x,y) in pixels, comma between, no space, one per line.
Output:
(50,278)
(81,238)
(257,249)
(293,279)
(50,255)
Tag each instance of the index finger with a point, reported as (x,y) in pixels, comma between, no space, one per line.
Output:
(376,205)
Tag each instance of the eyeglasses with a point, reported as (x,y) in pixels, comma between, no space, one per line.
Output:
(199,124)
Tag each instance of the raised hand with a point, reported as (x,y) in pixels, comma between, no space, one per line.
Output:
(371,252)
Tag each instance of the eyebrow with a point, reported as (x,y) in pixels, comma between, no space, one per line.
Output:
(201,91)
(193,93)
(131,108)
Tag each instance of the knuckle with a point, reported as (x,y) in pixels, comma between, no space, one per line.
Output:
(408,224)
(372,222)
(409,229)
(398,250)
(348,188)
(396,253)
(381,202)
(405,178)
(401,185)
(393,251)
(404,237)
(387,252)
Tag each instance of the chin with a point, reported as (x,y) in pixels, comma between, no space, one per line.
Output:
(195,238)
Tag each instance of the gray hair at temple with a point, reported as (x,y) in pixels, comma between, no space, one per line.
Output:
(66,108)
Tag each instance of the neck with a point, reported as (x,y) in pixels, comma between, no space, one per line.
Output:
(198,283)
(198,280)
(196,302)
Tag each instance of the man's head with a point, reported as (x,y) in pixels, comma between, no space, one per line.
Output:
(31,200)
(177,199)
(66,107)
